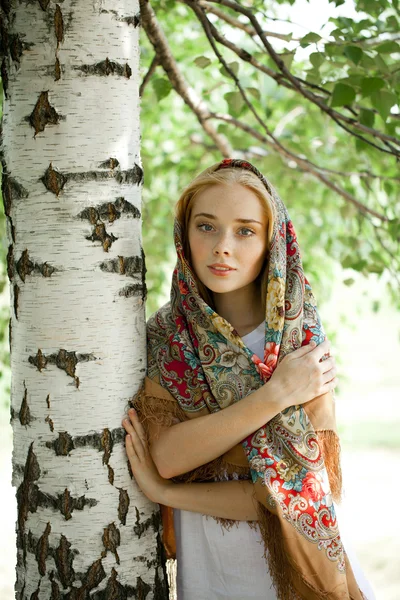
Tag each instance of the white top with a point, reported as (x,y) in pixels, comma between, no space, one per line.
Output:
(214,563)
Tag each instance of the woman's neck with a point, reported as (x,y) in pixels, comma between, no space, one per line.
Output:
(242,308)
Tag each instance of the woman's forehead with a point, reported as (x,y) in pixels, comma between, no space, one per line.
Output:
(235,198)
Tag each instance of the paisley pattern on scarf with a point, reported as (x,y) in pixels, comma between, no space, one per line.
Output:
(203,362)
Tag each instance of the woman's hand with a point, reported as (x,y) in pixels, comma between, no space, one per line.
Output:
(302,375)
(143,468)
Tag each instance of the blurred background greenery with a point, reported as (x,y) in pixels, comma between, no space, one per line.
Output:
(350,257)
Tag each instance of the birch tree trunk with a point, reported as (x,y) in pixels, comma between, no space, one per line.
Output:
(72,194)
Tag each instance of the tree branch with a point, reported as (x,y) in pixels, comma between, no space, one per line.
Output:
(154,64)
(170,66)
(302,163)
(339,118)
(238,24)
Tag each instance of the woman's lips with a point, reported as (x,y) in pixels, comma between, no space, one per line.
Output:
(220,272)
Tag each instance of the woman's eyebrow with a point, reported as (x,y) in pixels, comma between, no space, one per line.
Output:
(209,216)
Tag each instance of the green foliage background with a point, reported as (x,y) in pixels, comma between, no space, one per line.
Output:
(355,63)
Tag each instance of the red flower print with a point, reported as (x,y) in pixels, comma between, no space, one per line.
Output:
(290,229)
(267,367)
(312,487)
(183,287)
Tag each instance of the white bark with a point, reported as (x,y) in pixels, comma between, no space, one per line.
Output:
(77,318)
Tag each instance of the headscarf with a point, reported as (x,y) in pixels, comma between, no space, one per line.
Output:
(294,459)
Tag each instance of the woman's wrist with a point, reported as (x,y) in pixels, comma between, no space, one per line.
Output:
(277,399)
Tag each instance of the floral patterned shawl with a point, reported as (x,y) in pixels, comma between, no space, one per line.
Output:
(204,364)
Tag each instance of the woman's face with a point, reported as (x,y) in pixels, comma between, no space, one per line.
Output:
(227,228)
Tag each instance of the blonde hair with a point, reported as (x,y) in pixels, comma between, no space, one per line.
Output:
(226,176)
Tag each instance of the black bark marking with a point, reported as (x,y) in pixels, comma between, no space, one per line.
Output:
(111,541)
(133,176)
(11,190)
(26,267)
(64,360)
(110,474)
(27,497)
(123,505)
(130,266)
(48,400)
(44,4)
(58,25)
(50,422)
(107,445)
(42,550)
(63,444)
(135,20)
(24,412)
(10,333)
(53,180)
(137,289)
(40,361)
(114,589)
(43,113)
(3,38)
(57,70)
(109,211)
(10,262)
(4,77)
(110,163)
(94,575)
(99,234)
(35,595)
(140,527)
(55,590)
(106,67)
(142,589)
(133,290)
(16,47)
(16,299)
(6,6)
(63,559)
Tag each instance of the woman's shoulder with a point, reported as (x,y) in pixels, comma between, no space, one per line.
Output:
(161,317)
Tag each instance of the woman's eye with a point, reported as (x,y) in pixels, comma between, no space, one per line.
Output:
(205,225)
(246,231)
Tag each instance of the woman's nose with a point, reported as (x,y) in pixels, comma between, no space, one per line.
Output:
(223,246)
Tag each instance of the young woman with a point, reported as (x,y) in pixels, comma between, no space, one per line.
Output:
(235,420)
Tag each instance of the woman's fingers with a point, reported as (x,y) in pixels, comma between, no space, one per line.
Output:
(136,436)
(138,426)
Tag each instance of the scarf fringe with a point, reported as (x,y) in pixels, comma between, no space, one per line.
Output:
(284,574)
(330,446)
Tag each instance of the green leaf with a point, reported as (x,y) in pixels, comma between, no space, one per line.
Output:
(202,62)
(342,94)
(383,102)
(371,84)
(162,87)
(235,102)
(287,58)
(310,38)
(367,117)
(388,47)
(349,281)
(316,59)
(394,229)
(255,92)
(234,66)
(354,53)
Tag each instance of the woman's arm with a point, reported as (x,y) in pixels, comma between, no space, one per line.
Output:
(300,377)
(225,499)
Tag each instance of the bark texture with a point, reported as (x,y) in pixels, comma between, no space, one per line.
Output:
(72,195)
